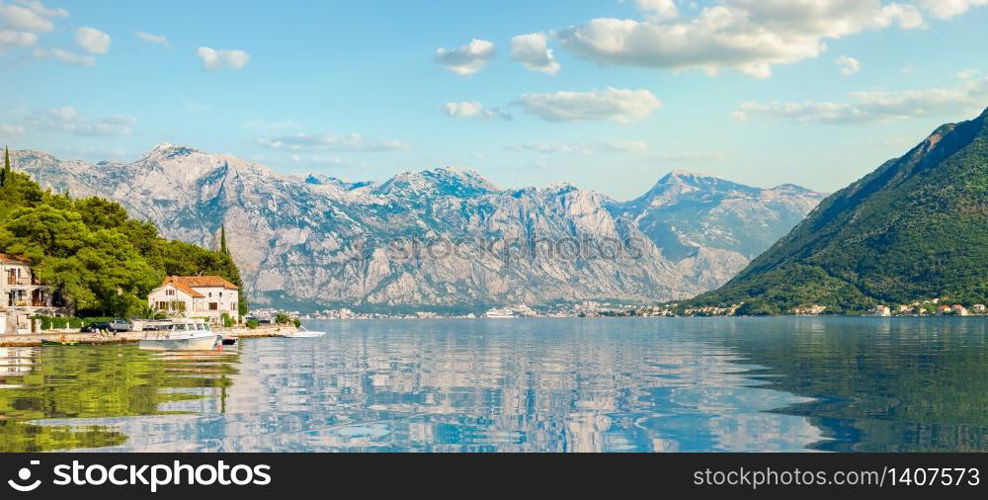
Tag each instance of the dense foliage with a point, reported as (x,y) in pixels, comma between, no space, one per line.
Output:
(99,259)
(915,229)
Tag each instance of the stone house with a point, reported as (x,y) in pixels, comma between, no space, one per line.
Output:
(196,297)
(23,296)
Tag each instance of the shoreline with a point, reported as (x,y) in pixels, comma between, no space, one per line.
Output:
(34,339)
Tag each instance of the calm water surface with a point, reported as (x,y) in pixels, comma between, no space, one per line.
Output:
(582,385)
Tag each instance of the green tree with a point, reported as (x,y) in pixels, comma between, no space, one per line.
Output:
(103,261)
(5,173)
(223,248)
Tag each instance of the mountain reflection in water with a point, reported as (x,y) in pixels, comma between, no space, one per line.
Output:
(581,385)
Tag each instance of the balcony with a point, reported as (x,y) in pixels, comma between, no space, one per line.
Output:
(19,281)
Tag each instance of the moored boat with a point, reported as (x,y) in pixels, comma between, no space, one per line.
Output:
(303,333)
(185,336)
(60,342)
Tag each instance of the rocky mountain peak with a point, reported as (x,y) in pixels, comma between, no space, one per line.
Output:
(319,240)
(167,150)
(442,181)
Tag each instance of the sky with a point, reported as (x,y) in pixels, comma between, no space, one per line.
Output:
(608,95)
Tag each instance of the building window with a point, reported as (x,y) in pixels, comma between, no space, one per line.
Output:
(213,306)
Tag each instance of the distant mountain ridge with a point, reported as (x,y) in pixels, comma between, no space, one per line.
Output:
(914,229)
(313,240)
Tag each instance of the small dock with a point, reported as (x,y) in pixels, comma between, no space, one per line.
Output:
(34,339)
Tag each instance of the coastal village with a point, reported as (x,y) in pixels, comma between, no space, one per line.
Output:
(591,309)
(25,303)
(930,307)
(25,300)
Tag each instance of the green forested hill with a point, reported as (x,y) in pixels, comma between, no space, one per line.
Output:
(915,228)
(103,261)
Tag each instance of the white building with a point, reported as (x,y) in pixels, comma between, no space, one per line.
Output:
(882,310)
(196,297)
(23,296)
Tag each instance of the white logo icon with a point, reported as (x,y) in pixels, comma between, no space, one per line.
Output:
(25,474)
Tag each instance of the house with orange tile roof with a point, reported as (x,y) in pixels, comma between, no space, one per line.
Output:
(22,296)
(196,297)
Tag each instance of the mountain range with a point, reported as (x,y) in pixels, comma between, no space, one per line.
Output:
(915,229)
(440,238)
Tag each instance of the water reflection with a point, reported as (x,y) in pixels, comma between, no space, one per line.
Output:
(882,384)
(54,398)
(519,385)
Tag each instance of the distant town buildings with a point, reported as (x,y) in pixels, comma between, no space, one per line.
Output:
(881,310)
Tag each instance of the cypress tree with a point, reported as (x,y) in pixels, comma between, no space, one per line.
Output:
(5,174)
(223,248)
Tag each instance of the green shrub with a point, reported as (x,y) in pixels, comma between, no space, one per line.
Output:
(282,318)
(59,322)
(252,323)
(297,322)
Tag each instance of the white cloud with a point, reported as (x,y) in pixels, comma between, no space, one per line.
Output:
(615,105)
(581,148)
(92,40)
(65,56)
(11,38)
(29,16)
(331,142)
(532,50)
(21,23)
(213,59)
(660,9)
(969,98)
(747,35)
(466,59)
(151,38)
(68,119)
(848,65)
(945,9)
(473,109)
(39,8)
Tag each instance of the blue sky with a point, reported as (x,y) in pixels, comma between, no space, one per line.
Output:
(814,92)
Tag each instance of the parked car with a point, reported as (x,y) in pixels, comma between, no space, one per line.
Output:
(117,325)
(120,325)
(96,326)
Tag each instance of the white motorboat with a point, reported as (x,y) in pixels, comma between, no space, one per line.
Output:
(185,336)
(303,333)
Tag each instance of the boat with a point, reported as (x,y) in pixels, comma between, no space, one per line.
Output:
(500,314)
(185,336)
(303,333)
(60,342)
